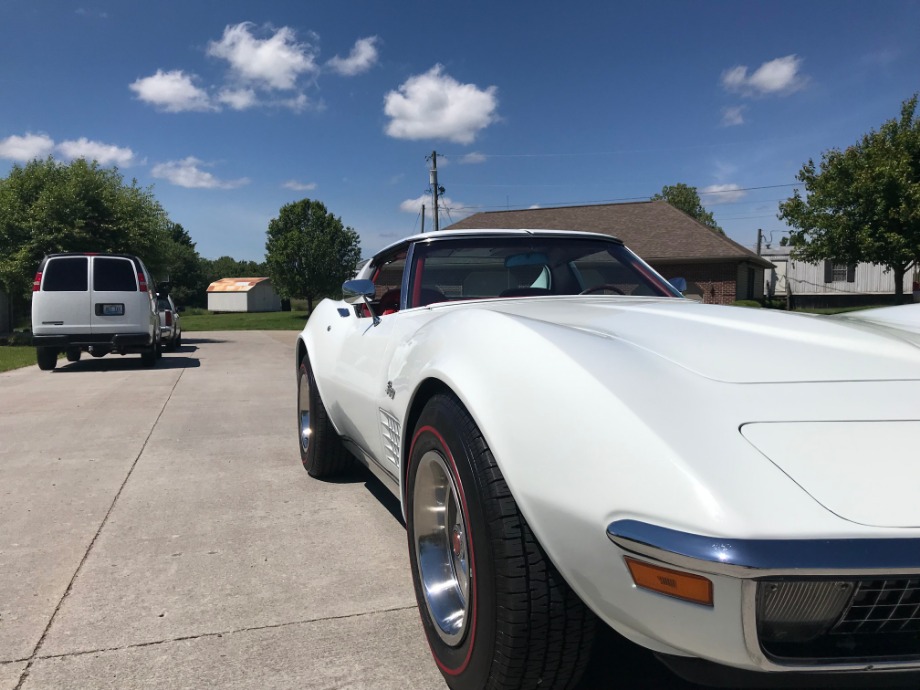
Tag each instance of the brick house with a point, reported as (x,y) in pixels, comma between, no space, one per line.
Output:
(717,269)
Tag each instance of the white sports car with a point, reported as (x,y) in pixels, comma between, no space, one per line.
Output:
(738,490)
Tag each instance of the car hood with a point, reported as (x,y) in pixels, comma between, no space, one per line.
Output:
(862,471)
(739,345)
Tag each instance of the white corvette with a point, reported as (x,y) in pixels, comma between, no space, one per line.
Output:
(737,490)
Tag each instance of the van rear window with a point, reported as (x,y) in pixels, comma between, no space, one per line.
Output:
(66,274)
(111,274)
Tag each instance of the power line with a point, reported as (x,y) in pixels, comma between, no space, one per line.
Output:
(633,198)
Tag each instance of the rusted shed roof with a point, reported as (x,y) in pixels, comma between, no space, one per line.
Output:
(655,230)
(235,284)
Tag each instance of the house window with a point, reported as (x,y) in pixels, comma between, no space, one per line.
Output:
(839,273)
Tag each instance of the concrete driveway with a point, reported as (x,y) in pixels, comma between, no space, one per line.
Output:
(158,531)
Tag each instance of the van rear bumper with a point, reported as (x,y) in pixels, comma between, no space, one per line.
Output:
(115,341)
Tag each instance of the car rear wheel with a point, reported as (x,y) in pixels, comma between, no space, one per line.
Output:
(73,354)
(496,612)
(321,449)
(47,358)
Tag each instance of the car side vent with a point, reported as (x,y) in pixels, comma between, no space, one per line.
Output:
(390,431)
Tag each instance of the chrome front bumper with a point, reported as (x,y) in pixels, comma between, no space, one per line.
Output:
(756,560)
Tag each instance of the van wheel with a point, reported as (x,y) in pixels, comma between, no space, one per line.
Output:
(73,354)
(47,358)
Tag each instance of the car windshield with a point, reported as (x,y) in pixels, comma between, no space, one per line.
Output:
(484,267)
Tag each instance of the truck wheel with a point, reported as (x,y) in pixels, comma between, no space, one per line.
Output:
(149,357)
(73,354)
(47,358)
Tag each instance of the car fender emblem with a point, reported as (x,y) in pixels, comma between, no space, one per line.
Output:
(390,391)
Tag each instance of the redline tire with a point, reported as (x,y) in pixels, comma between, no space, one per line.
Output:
(522,626)
(321,450)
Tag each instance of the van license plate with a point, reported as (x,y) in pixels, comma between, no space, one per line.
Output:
(113,310)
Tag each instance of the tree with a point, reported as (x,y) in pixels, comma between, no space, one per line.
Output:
(183,268)
(863,204)
(309,252)
(686,198)
(46,206)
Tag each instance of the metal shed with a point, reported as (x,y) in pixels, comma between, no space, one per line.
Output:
(243,294)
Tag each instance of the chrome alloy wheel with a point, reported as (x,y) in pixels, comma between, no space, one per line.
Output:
(441,548)
(303,396)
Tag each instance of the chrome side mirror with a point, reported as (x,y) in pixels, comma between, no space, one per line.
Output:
(354,291)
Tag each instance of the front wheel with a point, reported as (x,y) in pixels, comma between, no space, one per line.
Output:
(496,612)
(73,354)
(321,449)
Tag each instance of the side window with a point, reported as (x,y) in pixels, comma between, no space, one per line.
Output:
(66,274)
(389,275)
(114,274)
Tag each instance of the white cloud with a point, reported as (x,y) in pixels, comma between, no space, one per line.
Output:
(188,173)
(436,106)
(105,154)
(299,186)
(298,104)
(362,57)
(776,77)
(26,148)
(473,158)
(415,205)
(733,116)
(238,99)
(172,91)
(716,194)
(274,62)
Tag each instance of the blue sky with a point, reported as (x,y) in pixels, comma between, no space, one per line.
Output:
(230,110)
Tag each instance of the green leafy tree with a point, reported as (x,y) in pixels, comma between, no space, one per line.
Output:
(863,203)
(184,268)
(309,252)
(687,199)
(46,206)
(228,267)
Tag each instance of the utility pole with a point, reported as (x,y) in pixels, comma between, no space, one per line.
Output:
(759,240)
(423,218)
(433,178)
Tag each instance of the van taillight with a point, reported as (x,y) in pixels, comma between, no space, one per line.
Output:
(169,318)
(142,282)
(37,282)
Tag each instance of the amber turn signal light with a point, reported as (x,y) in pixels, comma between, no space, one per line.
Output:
(673,583)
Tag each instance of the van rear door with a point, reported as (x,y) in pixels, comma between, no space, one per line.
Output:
(61,305)
(118,304)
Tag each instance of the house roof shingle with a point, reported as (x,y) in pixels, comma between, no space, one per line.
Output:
(655,230)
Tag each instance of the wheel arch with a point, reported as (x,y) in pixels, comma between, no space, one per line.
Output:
(424,392)
(300,352)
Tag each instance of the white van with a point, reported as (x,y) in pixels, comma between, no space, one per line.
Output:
(98,303)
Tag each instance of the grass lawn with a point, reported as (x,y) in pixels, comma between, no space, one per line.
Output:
(203,320)
(16,356)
